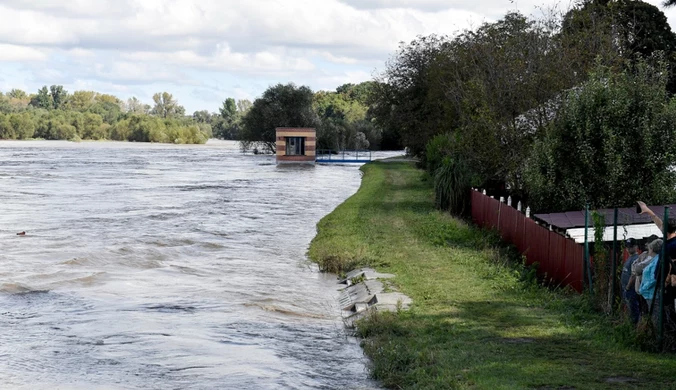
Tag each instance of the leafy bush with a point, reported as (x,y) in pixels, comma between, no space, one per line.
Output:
(611,143)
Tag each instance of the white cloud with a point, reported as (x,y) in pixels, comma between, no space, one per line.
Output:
(80,53)
(17,53)
(425,5)
(141,46)
(274,60)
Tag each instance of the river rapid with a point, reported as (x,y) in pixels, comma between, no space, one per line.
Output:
(167,267)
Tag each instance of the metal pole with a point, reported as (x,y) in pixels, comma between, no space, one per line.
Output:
(613,269)
(586,266)
(663,269)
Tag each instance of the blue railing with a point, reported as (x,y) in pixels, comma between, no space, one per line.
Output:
(343,156)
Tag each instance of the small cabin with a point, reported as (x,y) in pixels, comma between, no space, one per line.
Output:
(296,145)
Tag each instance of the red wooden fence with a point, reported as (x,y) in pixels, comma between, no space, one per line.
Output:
(560,259)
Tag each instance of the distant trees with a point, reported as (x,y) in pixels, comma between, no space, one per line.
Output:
(53,113)
(225,124)
(282,105)
(343,118)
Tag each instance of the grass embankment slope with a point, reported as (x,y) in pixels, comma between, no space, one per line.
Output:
(474,322)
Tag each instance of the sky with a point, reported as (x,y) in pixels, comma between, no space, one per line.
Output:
(204,51)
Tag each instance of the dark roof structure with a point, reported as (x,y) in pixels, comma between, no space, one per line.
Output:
(625,216)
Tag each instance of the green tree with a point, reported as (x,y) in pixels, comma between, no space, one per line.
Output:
(612,142)
(228,124)
(135,106)
(59,96)
(358,92)
(43,99)
(93,127)
(81,100)
(17,94)
(109,111)
(5,105)
(202,116)
(6,128)
(620,30)
(400,97)
(166,106)
(22,125)
(243,106)
(229,109)
(282,105)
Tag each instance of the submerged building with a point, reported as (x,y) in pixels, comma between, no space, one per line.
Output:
(296,145)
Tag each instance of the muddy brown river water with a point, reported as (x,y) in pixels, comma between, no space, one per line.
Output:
(167,267)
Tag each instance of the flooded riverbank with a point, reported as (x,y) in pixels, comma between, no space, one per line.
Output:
(163,266)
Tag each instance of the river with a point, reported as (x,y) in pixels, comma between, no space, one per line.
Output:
(167,267)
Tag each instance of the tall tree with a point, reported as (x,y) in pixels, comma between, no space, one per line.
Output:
(17,94)
(166,106)
(229,109)
(59,96)
(282,105)
(243,106)
(81,100)
(400,94)
(613,130)
(135,106)
(620,30)
(43,99)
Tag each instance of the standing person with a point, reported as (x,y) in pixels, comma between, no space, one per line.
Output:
(649,281)
(637,272)
(668,296)
(671,229)
(629,293)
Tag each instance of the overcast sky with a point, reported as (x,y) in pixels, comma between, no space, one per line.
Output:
(204,51)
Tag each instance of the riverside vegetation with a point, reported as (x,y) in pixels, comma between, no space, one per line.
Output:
(341,117)
(53,113)
(479,319)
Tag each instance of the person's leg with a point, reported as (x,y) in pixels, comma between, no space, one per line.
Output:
(633,305)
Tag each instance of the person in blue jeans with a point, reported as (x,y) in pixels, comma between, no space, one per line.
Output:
(631,298)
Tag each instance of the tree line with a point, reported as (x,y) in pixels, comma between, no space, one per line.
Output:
(54,113)
(562,110)
(343,118)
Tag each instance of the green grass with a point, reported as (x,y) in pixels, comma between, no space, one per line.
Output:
(474,323)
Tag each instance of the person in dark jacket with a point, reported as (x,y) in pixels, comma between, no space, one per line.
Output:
(630,295)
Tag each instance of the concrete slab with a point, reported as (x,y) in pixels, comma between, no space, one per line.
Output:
(391,299)
(359,293)
(367,273)
(366,296)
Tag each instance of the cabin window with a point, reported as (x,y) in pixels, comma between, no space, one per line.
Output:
(295,146)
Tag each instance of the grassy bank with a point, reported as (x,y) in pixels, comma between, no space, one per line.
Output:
(475,323)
